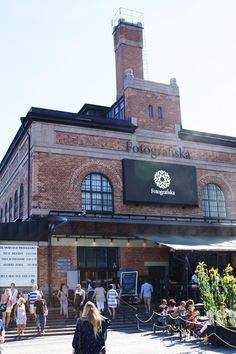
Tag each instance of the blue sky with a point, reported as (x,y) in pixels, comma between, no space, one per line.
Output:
(58,54)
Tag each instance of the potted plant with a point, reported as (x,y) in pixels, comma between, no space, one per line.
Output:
(218,293)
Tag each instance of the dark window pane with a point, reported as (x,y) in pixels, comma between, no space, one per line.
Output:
(150,111)
(159,113)
(16,205)
(101,257)
(213,201)
(10,210)
(91,257)
(96,193)
(112,259)
(21,206)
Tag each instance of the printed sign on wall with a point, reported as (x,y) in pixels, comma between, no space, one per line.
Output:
(128,282)
(18,264)
(162,183)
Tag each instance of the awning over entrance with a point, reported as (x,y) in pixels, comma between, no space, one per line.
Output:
(31,230)
(194,243)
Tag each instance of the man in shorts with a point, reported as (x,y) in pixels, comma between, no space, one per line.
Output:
(32,296)
(146,294)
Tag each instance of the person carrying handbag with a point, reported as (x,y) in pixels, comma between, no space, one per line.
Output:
(91,331)
(40,313)
(6,299)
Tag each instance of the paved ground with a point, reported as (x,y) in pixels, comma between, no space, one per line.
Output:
(118,342)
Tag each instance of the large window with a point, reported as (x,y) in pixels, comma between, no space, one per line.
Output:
(96,193)
(98,257)
(213,201)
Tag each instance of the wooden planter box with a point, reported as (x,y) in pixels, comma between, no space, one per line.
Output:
(221,336)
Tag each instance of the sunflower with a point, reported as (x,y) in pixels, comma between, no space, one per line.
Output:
(226,279)
(213,272)
(229,269)
(234,288)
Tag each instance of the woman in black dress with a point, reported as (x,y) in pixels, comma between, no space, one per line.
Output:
(90,332)
(79,300)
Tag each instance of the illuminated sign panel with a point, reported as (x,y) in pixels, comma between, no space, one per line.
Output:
(162,183)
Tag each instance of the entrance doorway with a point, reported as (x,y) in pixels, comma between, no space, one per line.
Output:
(98,264)
(158,277)
(104,276)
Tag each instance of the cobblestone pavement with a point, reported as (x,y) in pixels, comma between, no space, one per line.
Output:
(118,342)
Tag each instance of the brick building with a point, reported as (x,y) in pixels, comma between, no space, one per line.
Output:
(123,188)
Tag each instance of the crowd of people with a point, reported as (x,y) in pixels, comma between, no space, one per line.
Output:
(16,307)
(89,306)
(186,311)
(97,294)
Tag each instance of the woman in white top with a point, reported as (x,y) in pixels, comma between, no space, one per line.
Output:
(62,296)
(99,297)
(112,300)
(20,316)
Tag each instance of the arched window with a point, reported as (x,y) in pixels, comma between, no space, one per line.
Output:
(10,210)
(159,112)
(16,205)
(21,202)
(97,194)
(6,212)
(213,201)
(150,111)
(1,214)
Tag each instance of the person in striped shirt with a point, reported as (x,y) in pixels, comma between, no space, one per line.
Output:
(32,296)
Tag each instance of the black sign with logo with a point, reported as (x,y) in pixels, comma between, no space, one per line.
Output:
(155,182)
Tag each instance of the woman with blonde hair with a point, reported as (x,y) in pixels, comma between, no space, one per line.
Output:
(20,316)
(90,332)
(6,299)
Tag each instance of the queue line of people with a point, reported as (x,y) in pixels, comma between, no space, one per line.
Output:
(99,296)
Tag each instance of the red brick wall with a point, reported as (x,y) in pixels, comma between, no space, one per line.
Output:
(58,178)
(137,102)
(133,258)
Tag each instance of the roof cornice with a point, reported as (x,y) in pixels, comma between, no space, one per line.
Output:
(207,138)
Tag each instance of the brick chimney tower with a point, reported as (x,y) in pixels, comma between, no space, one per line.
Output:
(128,47)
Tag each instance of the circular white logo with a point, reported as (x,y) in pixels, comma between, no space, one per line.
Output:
(162,179)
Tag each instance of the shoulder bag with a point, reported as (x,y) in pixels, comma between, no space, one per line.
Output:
(3,307)
(45,309)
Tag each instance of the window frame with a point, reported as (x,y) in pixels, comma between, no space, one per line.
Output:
(150,111)
(96,195)
(21,202)
(213,201)
(10,209)
(16,206)
(6,209)
(160,112)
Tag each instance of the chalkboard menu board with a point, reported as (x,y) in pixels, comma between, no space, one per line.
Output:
(128,281)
